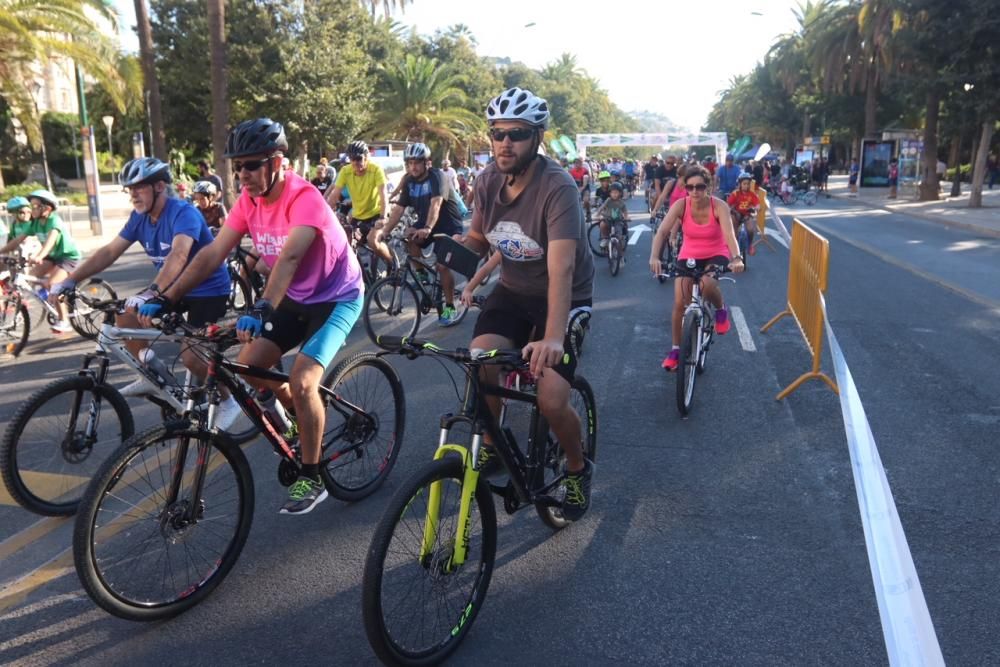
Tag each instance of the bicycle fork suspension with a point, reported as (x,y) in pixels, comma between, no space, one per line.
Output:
(463,527)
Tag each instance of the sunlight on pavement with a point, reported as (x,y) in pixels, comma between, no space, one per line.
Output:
(45,485)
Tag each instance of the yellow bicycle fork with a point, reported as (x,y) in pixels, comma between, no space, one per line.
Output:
(463,528)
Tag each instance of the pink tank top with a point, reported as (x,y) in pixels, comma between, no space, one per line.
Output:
(702,241)
(677,193)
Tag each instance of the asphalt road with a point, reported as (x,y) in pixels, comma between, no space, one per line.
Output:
(729,537)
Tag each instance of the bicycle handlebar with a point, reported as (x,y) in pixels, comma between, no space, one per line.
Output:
(414,347)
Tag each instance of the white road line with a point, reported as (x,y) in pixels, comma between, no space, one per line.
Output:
(778,237)
(746,340)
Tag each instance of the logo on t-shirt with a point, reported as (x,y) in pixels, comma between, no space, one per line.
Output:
(513,243)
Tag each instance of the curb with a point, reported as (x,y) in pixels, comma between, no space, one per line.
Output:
(966,226)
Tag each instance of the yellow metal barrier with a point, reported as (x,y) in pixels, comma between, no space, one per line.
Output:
(808,264)
(762,217)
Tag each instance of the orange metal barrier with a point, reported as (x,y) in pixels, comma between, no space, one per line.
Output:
(808,264)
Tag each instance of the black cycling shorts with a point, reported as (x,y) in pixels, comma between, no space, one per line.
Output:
(202,310)
(448,230)
(718,260)
(365,226)
(522,320)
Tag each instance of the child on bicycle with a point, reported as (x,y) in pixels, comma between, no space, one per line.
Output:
(744,202)
(485,270)
(612,210)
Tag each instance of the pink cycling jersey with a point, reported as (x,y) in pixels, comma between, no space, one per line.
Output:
(702,241)
(677,193)
(330,270)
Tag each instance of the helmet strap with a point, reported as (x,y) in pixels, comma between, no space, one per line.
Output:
(272,176)
(520,170)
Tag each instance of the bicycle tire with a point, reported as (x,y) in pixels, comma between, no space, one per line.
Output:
(352,487)
(378,575)
(240,296)
(686,373)
(94,567)
(810,198)
(84,320)
(594,239)
(15,325)
(705,343)
(743,242)
(581,399)
(11,464)
(401,313)
(614,255)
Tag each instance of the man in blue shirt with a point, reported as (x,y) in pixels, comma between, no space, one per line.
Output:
(727,177)
(171,232)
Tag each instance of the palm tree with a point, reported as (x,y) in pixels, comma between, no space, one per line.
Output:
(423,100)
(148,59)
(562,70)
(220,95)
(35,31)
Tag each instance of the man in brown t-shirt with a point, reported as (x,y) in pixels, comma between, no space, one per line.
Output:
(528,210)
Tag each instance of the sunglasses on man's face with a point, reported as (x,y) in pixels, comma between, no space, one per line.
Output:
(515,134)
(249,165)
(700,187)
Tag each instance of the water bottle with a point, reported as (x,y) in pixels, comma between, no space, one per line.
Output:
(274,410)
(161,374)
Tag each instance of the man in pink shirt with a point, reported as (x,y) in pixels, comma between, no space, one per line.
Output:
(314,292)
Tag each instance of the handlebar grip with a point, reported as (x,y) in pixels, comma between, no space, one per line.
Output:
(397,342)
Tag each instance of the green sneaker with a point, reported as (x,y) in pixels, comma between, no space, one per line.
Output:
(448,316)
(303,496)
(292,434)
(577,498)
(489,463)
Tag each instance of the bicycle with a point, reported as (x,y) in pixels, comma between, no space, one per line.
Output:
(15,319)
(373,266)
(742,234)
(136,539)
(245,284)
(617,245)
(697,334)
(48,449)
(439,530)
(797,195)
(392,305)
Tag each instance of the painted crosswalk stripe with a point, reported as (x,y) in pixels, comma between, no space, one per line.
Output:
(746,340)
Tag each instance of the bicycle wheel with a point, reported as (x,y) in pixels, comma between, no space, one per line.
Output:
(85,320)
(15,325)
(581,399)
(810,198)
(240,297)
(614,255)
(594,238)
(361,449)
(143,558)
(743,241)
(706,336)
(686,372)
(416,609)
(56,440)
(399,312)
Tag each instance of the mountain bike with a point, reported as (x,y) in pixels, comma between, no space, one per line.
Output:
(395,304)
(17,286)
(373,266)
(165,518)
(697,334)
(59,436)
(438,534)
(245,284)
(742,235)
(617,245)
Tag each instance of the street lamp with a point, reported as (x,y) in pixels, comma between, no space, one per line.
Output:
(108,122)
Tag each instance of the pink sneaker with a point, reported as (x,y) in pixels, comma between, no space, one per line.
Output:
(721,321)
(670,363)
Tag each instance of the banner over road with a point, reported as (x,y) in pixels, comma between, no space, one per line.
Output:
(661,139)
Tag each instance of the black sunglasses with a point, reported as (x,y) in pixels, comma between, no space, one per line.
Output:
(249,165)
(358,158)
(515,134)
(700,187)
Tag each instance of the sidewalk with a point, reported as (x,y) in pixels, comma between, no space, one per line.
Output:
(947,211)
(115,208)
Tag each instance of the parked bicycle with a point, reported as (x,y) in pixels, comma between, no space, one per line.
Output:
(697,335)
(17,286)
(439,531)
(59,436)
(165,518)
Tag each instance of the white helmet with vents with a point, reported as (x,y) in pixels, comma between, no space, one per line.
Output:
(519,104)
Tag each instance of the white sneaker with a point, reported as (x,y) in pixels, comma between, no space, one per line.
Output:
(604,244)
(61,327)
(141,387)
(226,413)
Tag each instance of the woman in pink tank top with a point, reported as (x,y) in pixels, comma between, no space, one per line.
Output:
(708,239)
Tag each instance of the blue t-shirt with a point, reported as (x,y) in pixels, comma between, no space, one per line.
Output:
(729,178)
(178,217)
(418,194)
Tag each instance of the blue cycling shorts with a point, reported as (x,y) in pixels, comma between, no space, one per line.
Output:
(323,326)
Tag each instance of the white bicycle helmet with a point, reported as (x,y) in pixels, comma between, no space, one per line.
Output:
(519,104)
(417,151)
(206,188)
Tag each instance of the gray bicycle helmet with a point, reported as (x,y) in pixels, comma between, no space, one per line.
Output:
(618,186)
(45,197)
(357,149)
(260,136)
(519,104)
(144,170)
(417,151)
(206,188)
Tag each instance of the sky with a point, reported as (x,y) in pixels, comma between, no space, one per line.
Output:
(650,55)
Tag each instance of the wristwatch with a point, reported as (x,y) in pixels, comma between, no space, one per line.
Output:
(735,257)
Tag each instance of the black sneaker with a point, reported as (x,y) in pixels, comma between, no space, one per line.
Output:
(489,462)
(577,498)
(303,496)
